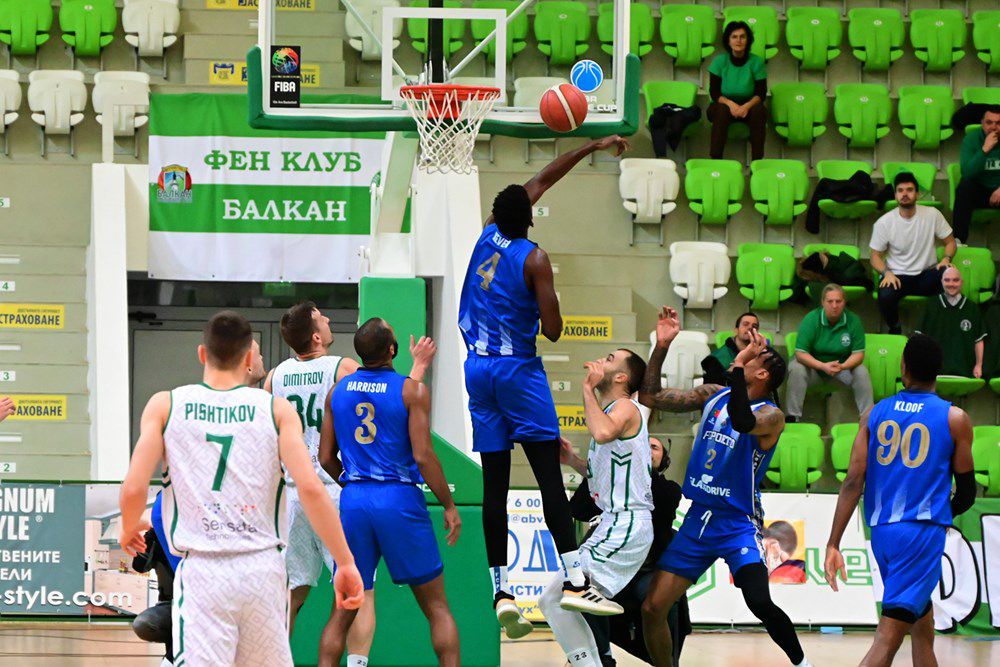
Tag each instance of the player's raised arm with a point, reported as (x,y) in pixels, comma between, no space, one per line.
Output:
(422,351)
(767,422)
(146,458)
(555,170)
(962,466)
(328,448)
(847,502)
(652,394)
(538,277)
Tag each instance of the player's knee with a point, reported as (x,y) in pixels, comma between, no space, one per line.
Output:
(153,625)
(654,609)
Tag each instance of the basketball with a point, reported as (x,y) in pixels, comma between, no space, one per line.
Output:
(563,107)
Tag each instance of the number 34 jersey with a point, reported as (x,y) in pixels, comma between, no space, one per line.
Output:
(222,481)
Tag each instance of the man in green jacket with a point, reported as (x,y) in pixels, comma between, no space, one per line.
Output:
(957,325)
(980,184)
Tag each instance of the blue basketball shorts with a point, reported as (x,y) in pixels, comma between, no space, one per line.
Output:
(708,534)
(908,554)
(390,520)
(510,401)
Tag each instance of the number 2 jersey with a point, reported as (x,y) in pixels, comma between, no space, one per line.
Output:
(223,478)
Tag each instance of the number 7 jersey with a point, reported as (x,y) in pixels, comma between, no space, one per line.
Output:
(223,479)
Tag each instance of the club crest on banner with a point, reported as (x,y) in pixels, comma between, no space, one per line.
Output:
(174,185)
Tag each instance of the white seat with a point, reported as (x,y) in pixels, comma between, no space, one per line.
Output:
(682,367)
(359,39)
(132,85)
(528,90)
(649,188)
(700,272)
(57,99)
(151,25)
(10,98)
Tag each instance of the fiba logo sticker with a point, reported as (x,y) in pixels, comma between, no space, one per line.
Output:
(174,185)
(586,75)
(285,61)
(286,76)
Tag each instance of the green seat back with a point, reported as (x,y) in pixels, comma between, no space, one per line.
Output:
(721,336)
(799,111)
(979,273)
(938,37)
(454,29)
(954,177)
(25,25)
(925,173)
(986,38)
(517,30)
(953,386)
(562,30)
(883,354)
(843,436)
(832,248)
(765,273)
(763,21)
(798,457)
(814,35)
(88,25)
(925,115)
(688,33)
(657,93)
(841,169)
(986,457)
(862,112)
(791,339)
(780,189)
(876,36)
(714,189)
(641,28)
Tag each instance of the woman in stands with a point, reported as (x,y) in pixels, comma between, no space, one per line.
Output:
(737,87)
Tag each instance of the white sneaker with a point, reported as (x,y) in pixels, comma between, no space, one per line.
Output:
(587,599)
(514,624)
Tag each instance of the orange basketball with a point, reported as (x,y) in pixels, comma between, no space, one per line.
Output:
(563,107)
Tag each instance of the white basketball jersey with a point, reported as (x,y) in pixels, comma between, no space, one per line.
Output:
(620,472)
(305,384)
(222,484)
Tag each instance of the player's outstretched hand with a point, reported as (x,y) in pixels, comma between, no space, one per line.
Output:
(668,325)
(348,589)
(595,373)
(753,349)
(6,407)
(834,566)
(423,350)
(452,524)
(134,541)
(615,142)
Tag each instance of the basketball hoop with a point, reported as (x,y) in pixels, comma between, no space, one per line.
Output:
(448,119)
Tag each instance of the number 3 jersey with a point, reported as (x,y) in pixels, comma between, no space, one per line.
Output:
(222,482)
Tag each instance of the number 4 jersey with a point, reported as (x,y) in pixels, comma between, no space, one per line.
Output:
(222,484)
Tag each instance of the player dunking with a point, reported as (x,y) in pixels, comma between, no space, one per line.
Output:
(735,442)
(508,287)
(224,445)
(908,448)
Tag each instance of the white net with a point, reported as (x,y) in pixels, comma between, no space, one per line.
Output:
(448,120)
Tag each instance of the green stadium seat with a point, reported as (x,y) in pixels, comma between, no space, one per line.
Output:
(799,111)
(641,27)
(562,30)
(813,35)
(721,336)
(954,386)
(938,37)
(979,273)
(88,25)
(925,172)
(852,292)
(876,36)
(843,170)
(454,29)
(764,23)
(925,115)
(862,112)
(986,457)
(780,189)
(688,33)
(979,95)
(841,446)
(681,93)
(517,30)
(714,189)
(883,354)
(765,273)
(954,177)
(986,38)
(25,25)
(797,459)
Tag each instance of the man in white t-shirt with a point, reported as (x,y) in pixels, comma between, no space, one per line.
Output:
(902,250)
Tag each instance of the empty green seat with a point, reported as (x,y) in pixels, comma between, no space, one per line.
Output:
(798,458)
(862,112)
(840,448)
(979,273)
(641,28)
(883,354)
(688,33)
(765,273)
(681,93)
(88,25)
(454,29)
(954,386)
(780,189)
(954,178)
(814,35)
(986,457)
(764,23)
(714,189)
(851,292)
(979,95)
(876,36)
(986,38)
(925,173)
(842,170)
(517,30)
(562,30)
(799,111)
(25,25)
(938,37)
(925,115)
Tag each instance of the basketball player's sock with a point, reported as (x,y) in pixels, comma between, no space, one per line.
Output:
(752,581)
(357,661)
(804,663)
(573,567)
(569,628)
(498,575)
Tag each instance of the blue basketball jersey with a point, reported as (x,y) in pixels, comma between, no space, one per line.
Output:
(372,426)
(498,314)
(909,460)
(726,466)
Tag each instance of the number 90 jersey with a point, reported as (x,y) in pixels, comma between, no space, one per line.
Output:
(222,481)
(498,314)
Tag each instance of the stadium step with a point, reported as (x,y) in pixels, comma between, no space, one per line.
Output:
(608,299)
(583,269)
(42,260)
(42,347)
(34,288)
(38,379)
(322,50)
(300,24)
(577,327)
(51,466)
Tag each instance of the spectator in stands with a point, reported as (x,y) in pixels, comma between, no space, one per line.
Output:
(902,250)
(737,86)
(957,325)
(716,364)
(991,348)
(6,407)
(980,162)
(830,346)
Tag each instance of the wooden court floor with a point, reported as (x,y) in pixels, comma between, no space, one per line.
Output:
(107,645)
